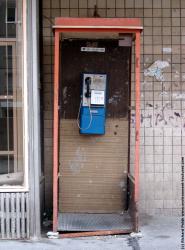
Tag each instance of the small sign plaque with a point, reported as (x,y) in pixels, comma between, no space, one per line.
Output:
(92,49)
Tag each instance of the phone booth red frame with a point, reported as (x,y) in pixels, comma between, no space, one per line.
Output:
(85,25)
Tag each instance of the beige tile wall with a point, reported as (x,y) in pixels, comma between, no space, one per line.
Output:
(162,103)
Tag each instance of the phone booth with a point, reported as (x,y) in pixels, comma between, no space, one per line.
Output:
(94,190)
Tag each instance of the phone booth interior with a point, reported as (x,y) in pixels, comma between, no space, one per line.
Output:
(93,189)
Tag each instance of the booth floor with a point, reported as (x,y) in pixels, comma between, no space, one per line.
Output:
(93,222)
(158,233)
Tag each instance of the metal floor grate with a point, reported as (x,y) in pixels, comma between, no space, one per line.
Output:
(93,222)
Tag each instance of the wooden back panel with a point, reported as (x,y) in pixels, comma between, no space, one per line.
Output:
(93,169)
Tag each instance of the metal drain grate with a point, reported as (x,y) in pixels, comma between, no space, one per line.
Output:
(93,222)
(14,215)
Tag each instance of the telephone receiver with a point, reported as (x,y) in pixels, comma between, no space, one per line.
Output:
(88,83)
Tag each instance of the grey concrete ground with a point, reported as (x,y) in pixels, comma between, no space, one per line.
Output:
(158,233)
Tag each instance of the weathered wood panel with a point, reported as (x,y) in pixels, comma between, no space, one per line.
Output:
(93,169)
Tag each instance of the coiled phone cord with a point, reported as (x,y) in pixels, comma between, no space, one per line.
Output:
(78,124)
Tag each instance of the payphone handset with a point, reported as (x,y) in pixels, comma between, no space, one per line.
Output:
(93,102)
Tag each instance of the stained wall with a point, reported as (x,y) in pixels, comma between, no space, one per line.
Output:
(162,93)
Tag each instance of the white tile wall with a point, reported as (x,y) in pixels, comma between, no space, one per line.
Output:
(162,103)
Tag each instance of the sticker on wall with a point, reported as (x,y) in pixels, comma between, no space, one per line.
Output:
(92,49)
(156,68)
(167,50)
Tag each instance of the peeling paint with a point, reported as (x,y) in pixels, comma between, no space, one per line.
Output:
(164,93)
(179,96)
(155,70)
(148,119)
(115,99)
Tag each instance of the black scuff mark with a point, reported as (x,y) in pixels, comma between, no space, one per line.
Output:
(177,114)
(134,243)
(149,105)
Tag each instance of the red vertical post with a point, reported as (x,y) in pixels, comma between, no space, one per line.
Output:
(55,132)
(137,128)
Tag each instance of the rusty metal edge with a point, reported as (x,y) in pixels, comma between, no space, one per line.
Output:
(94,233)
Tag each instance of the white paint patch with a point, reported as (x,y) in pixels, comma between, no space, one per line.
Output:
(177,75)
(53,235)
(167,50)
(179,96)
(78,161)
(183,76)
(155,70)
(65,95)
(122,184)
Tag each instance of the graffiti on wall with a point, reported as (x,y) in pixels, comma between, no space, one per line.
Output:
(160,120)
(160,116)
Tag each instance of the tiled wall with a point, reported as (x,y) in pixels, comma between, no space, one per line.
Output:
(162,102)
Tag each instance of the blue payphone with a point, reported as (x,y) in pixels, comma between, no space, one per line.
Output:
(93,104)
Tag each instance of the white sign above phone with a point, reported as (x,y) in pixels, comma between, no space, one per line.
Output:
(92,49)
